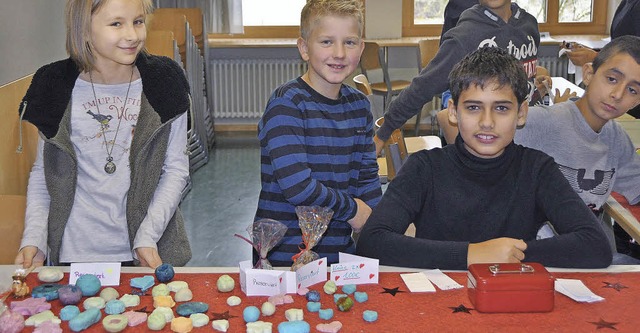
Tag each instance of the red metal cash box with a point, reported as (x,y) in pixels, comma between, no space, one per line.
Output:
(524,287)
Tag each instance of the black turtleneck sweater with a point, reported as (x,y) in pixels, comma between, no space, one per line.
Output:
(455,198)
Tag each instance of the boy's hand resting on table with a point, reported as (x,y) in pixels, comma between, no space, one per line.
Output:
(148,257)
(362,214)
(557,98)
(30,256)
(379,144)
(498,250)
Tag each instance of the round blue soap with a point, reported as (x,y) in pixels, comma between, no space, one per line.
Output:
(313,306)
(370,316)
(89,284)
(349,289)
(189,308)
(48,291)
(114,306)
(165,273)
(360,296)
(250,314)
(69,312)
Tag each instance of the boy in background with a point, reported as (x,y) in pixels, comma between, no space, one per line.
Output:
(497,23)
(594,153)
(316,136)
(483,199)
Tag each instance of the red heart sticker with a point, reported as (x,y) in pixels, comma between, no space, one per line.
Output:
(320,262)
(281,279)
(337,277)
(361,265)
(299,285)
(371,276)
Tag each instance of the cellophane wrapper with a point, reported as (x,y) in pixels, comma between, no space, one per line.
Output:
(313,221)
(265,234)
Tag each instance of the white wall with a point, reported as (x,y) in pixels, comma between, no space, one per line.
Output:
(32,33)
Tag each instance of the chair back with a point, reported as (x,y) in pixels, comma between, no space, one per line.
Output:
(160,42)
(194,17)
(427,50)
(176,23)
(362,84)
(396,155)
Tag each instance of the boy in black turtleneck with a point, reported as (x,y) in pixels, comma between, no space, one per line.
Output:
(483,199)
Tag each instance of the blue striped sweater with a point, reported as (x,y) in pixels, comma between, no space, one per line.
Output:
(316,151)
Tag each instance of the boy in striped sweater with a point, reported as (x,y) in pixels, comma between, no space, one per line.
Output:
(316,136)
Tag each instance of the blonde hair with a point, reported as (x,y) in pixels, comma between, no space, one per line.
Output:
(315,9)
(78,20)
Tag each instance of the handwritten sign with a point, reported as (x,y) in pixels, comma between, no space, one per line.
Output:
(354,269)
(311,273)
(107,273)
(264,282)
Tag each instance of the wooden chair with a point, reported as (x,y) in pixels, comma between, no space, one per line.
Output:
(194,17)
(168,21)
(398,148)
(427,50)
(161,42)
(362,84)
(372,60)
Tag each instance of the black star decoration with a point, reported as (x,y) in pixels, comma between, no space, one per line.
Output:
(461,308)
(392,291)
(617,286)
(142,309)
(223,315)
(604,324)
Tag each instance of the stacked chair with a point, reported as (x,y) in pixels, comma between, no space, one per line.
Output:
(189,54)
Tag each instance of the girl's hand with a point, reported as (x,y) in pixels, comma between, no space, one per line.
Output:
(30,256)
(148,257)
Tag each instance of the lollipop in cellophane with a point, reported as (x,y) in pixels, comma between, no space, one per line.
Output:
(313,221)
(265,234)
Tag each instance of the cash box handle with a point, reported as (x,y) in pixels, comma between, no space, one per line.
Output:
(524,268)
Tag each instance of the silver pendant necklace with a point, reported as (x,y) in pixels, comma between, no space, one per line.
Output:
(110,167)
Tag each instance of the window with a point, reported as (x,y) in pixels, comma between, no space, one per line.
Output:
(271,19)
(558,17)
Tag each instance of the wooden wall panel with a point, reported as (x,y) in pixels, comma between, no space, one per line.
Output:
(15,167)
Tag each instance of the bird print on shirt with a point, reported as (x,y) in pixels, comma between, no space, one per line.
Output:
(599,185)
(101,118)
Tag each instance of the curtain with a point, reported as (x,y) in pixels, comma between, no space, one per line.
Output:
(222,16)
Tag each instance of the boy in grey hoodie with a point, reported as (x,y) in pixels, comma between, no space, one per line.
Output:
(497,23)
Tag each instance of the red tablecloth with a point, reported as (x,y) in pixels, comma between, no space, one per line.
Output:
(421,312)
(634,209)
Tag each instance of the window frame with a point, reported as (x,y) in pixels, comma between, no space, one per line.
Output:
(597,26)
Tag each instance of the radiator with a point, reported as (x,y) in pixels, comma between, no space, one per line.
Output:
(556,66)
(242,87)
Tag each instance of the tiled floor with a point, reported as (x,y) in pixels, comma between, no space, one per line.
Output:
(223,201)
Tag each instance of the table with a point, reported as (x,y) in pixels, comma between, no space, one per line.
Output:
(626,215)
(442,311)
(632,126)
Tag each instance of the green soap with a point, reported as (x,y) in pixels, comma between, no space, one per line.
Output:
(344,304)
(156,321)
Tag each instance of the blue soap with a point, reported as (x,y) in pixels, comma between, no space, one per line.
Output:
(165,273)
(296,326)
(370,316)
(360,296)
(114,306)
(48,291)
(313,306)
(313,296)
(89,284)
(336,297)
(143,283)
(85,319)
(250,314)
(349,289)
(325,314)
(69,312)
(189,308)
